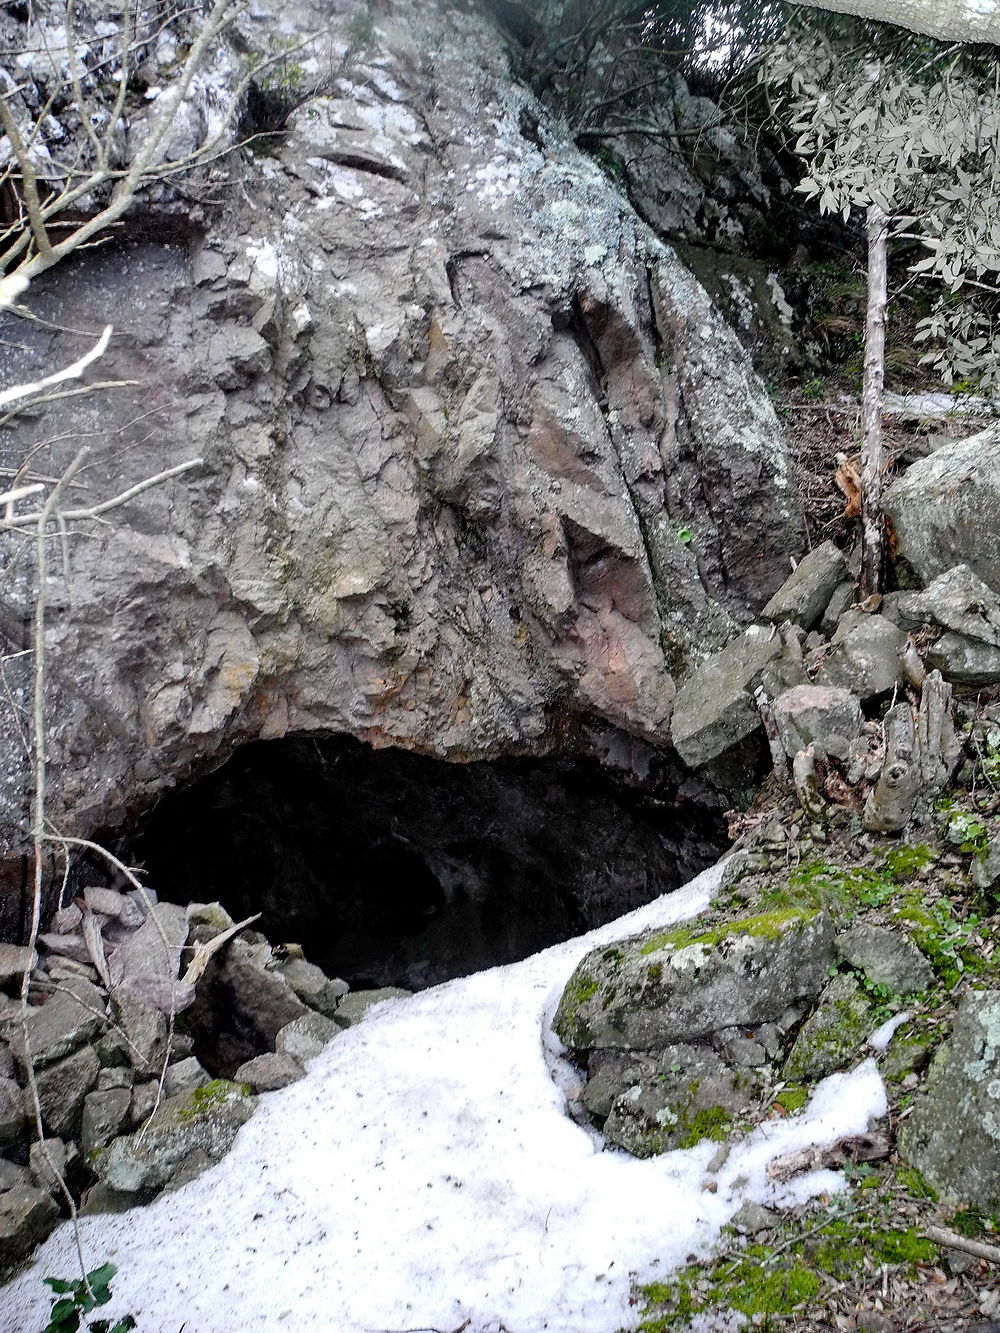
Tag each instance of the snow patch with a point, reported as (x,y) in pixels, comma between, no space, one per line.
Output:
(425,1174)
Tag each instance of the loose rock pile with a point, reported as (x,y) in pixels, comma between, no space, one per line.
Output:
(129,1000)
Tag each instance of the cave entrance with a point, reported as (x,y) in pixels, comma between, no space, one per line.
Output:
(390,868)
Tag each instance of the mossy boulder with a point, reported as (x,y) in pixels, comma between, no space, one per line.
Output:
(682,984)
(676,1098)
(952,1136)
(834,1033)
(887,958)
(206,1119)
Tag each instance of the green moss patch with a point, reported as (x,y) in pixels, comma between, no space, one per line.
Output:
(766,925)
(764,1282)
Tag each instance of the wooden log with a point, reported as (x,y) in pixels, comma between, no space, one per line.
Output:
(890,802)
(806,783)
(939,747)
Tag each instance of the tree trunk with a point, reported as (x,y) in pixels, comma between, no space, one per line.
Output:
(948,20)
(872,451)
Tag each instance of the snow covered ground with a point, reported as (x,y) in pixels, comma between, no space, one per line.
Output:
(425,1176)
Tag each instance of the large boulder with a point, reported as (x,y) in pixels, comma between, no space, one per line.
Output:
(683,984)
(953,1133)
(481,462)
(945,509)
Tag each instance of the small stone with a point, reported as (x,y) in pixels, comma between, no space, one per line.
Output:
(803,597)
(833,1034)
(313,986)
(736,1048)
(184,1076)
(104,1113)
(886,957)
(101,1198)
(268,1072)
(62,1088)
(260,994)
(12,1110)
(144,1029)
(964,661)
(11,1175)
(142,1103)
(816,714)
(66,920)
(113,904)
(66,969)
(46,1155)
(112,1050)
(121,1076)
(15,960)
(72,1015)
(67,946)
(27,1216)
(864,656)
(752,1218)
(353,1007)
(213,915)
(305,1037)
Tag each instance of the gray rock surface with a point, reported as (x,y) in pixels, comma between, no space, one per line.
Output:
(715,709)
(804,596)
(62,1087)
(27,1216)
(49,1162)
(268,1072)
(184,1076)
(455,404)
(12,1110)
(207,1120)
(71,1015)
(957,600)
(886,957)
(305,1037)
(864,655)
(104,1113)
(675,1099)
(15,959)
(832,1036)
(355,1006)
(942,506)
(813,714)
(313,986)
(964,661)
(259,992)
(668,986)
(953,1134)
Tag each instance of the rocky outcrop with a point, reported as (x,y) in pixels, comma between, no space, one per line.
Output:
(480,457)
(943,505)
(118,1028)
(953,1134)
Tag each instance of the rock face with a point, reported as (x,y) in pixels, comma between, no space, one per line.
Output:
(953,1135)
(454,403)
(942,506)
(683,984)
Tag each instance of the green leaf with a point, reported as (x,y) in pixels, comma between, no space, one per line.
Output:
(59,1285)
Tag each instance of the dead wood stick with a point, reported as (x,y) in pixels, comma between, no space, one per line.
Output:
(978,1248)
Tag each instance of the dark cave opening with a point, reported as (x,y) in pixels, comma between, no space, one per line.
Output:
(391,868)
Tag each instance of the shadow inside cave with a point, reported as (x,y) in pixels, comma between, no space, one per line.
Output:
(391,868)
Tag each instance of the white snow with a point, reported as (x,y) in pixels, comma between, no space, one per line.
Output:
(425,1175)
(880,1038)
